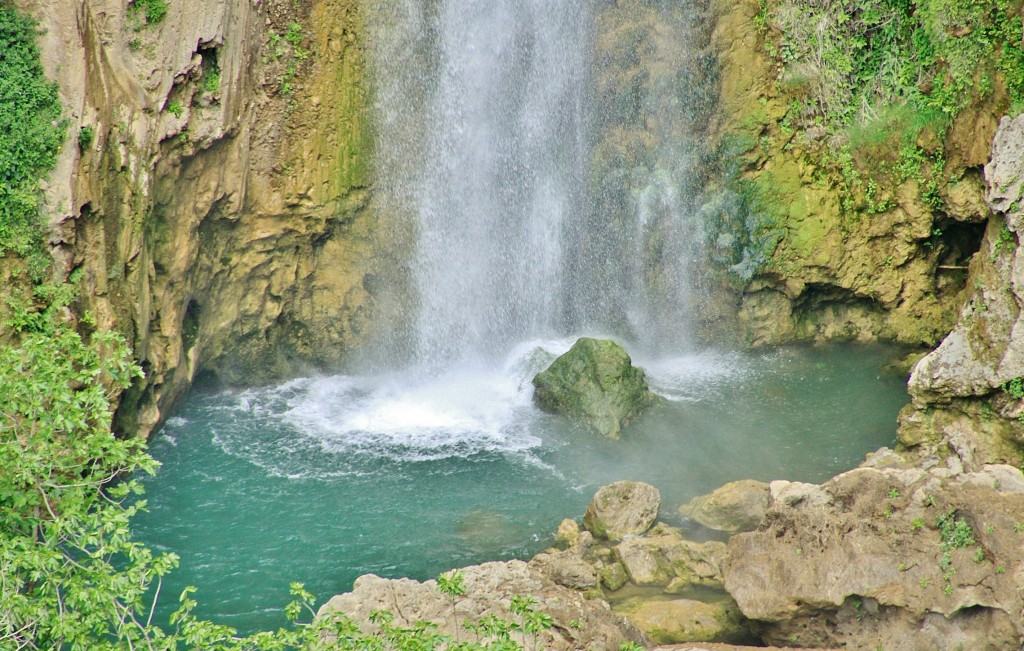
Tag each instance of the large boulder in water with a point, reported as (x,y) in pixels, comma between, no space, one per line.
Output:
(596,383)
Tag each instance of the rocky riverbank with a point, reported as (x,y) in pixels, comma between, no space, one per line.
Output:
(907,551)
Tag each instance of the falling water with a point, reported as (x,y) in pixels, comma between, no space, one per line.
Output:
(544,153)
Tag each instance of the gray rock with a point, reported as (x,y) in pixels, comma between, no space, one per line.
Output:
(594,383)
(622,509)
(566,569)
(664,558)
(568,534)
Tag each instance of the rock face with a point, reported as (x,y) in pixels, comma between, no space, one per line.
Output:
(986,348)
(625,508)
(219,217)
(596,383)
(579,623)
(738,506)
(921,556)
(962,391)
(825,266)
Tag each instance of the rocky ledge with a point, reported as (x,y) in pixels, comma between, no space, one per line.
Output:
(903,552)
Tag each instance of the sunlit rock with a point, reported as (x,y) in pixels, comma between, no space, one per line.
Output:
(737,506)
(578,622)
(595,383)
(622,509)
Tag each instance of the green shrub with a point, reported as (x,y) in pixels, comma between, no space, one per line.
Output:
(860,60)
(31,131)
(153,11)
(85,138)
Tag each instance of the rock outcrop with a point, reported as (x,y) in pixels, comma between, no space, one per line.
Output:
(815,255)
(595,383)
(967,393)
(219,215)
(905,556)
(579,623)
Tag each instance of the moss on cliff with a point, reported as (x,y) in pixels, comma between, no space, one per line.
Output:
(859,130)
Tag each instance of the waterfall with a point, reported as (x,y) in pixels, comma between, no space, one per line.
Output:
(543,152)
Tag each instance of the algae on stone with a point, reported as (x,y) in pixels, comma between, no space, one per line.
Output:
(594,383)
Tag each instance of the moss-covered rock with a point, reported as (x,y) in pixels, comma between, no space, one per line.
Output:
(594,383)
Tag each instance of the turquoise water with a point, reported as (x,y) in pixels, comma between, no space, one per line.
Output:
(320,480)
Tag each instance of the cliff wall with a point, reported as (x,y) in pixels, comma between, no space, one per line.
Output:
(218,213)
(839,221)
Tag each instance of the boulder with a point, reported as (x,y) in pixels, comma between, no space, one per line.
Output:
(673,621)
(907,558)
(738,506)
(594,383)
(566,569)
(664,558)
(568,534)
(622,509)
(578,623)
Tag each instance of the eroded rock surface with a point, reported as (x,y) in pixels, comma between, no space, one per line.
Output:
(579,623)
(595,383)
(737,506)
(916,557)
(667,621)
(218,219)
(625,508)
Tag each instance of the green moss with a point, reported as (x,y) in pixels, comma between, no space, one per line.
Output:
(595,383)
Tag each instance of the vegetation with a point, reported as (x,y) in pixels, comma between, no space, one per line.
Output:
(149,11)
(884,80)
(73,577)
(85,137)
(871,64)
(31,134)
(288,50)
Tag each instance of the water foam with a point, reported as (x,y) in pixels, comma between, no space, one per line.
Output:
(340,425)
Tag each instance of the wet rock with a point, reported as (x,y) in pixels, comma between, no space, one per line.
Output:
(622,509)
(596,384)
(566,569)
(614,576)
(675,621)
(579,623)
(737,506)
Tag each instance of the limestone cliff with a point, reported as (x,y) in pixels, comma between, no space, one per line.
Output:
(822,247)
(219,215)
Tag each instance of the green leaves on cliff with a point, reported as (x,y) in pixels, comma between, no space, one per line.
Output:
(31,130)
(153,11)
(850,61)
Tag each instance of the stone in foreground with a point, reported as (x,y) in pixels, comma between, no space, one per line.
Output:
(675,621)
(594,383)
(625,508)
(579,623)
